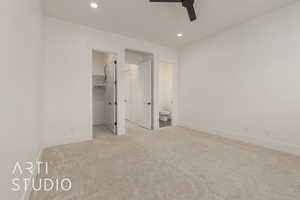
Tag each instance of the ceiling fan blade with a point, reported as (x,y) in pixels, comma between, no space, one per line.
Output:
(191,12)
(188,4)
(166,1)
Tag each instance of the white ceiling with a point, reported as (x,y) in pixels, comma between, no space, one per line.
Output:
(159,22)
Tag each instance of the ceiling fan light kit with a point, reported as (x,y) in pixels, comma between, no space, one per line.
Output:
(188,4)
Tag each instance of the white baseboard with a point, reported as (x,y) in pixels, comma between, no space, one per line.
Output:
(270,143)
(27,193)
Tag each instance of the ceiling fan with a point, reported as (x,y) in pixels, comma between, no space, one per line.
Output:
(188,4)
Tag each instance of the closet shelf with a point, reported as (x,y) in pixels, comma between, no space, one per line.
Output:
(97,75)
(99,85)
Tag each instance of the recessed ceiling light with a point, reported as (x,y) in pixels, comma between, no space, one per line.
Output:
(94,4)
(179,35)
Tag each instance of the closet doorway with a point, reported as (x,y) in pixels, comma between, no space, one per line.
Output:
(138,98)
(104,93)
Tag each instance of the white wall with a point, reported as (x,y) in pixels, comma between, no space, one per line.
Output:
(165,87)
(67,106)
(20,74)
(244,83)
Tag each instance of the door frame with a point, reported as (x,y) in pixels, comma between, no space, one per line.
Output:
(91,50)
(152,57)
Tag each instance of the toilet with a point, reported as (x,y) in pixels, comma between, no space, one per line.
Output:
(164,115)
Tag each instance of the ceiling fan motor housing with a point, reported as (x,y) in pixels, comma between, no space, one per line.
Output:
(187,3)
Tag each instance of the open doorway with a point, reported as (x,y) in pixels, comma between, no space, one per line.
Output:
(166,97)
(138,97)
(104,93)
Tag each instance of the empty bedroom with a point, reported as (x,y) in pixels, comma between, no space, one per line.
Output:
(150,100)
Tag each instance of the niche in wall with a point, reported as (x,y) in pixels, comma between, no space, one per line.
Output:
(103,78)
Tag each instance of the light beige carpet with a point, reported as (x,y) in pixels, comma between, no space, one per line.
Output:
(171,164)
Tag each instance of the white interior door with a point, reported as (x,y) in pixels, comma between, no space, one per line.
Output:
(127,95)
(110,96)
(145,97)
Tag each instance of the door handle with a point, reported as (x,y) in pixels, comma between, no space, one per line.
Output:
(109,103)
(149,103)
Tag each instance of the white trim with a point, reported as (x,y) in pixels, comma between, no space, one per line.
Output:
(27,192)
(270,143)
